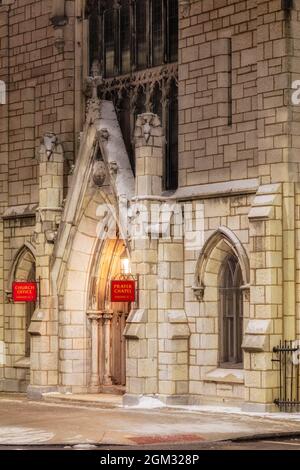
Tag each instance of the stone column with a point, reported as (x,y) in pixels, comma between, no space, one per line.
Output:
(173,328)
(44,325)
(264,328)
(95,317)
(107,317)
(141,330)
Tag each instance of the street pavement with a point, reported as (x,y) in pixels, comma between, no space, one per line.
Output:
(27,423)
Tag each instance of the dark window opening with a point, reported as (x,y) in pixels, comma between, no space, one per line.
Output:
(109,44)
(128,39)
(172,30)
(171,161)
(157,33)
(231,314)
(141,35)
(125,39)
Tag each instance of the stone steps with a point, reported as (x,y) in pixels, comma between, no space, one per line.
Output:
(101,400)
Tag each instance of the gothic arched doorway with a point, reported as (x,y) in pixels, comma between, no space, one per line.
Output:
(112,317)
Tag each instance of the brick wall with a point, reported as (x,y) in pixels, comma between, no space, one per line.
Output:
(218,92)
(41,92)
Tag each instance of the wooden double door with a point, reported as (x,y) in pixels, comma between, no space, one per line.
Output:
(118,344)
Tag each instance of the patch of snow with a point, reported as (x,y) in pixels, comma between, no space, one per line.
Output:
(84,446)
(14,435)
(258,326)
(236,411)
(148,403)
(221,373)
(248,185)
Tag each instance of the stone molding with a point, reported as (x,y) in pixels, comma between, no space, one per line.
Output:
(223,233)
(256,335)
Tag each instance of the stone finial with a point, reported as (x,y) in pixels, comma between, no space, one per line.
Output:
(94,81)
(91,90)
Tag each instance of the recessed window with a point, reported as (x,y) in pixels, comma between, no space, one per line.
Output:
(231,313)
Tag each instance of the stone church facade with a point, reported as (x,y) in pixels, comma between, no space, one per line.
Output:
(175,119)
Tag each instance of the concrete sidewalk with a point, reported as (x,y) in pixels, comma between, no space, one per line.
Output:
(26,422)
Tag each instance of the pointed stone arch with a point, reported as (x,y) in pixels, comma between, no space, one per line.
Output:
(219,248)
(92,246)
(79,243)
(215,250)
(22,264)
(19,317)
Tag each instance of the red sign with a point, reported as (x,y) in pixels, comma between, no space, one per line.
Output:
(123,291)
(24,291)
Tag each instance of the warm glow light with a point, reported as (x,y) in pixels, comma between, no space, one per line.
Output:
(125,264)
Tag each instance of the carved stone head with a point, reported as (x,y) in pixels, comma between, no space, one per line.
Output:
(99,173)
(49,142)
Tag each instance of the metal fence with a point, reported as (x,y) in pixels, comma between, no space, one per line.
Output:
(286,355)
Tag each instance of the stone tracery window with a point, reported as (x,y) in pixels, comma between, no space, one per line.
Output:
(135,43)
(231,313)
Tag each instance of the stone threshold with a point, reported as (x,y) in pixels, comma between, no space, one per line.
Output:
(100,400)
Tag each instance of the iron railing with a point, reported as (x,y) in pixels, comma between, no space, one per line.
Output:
(289,378)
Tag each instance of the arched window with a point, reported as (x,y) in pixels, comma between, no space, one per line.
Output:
(231,313)
(24,270)
(136,44)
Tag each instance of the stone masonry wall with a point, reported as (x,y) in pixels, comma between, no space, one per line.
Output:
(39,72)
(218,91)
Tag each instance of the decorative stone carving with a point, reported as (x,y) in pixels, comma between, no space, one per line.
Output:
(99,173)
(149,82)
(147,130)
(51,235)
(103,135)
(185,8)
(48,144)
(113,168)
(246,291)
(199,292)
(94,81)
(147,122)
